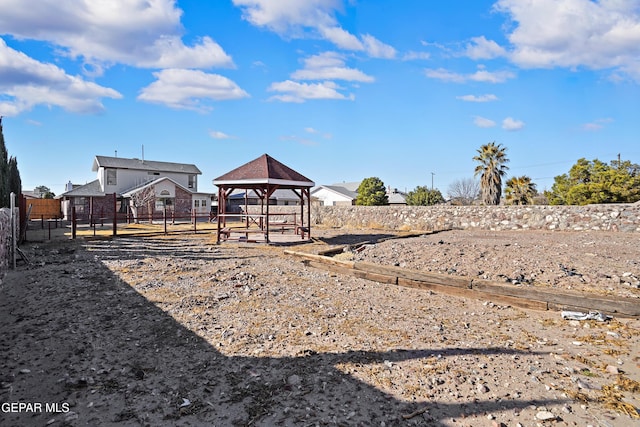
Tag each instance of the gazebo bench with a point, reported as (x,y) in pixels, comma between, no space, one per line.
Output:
(226,232)
(302,230)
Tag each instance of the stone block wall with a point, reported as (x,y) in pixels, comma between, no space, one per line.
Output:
(5,239)
(609,217)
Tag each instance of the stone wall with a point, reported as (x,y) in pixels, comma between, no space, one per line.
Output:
(5,239)
(609,217)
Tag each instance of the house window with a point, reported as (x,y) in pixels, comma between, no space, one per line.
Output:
(111,177)
(192,181)
(204,203)
(196,203)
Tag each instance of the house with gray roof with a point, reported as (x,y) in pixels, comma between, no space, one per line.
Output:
(120,179)
(346,193)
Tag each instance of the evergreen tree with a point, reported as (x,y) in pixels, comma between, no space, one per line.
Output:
(423,196)
(15,182)
(597,182)
(4,171)
(372,192)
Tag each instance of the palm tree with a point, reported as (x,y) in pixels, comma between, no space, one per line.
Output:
(492,168)
(520,191)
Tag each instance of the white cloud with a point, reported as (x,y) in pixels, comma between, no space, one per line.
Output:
(481,75)
(141,33)
(329,66)
(216,134)
(481,48)
(597,34)
(299,92)
(491,77)
(376,49)
(444,75)
(341,38)
(483,122)
(511,124)
(287,16)
(316,132)
(596,124)
(482,98)
(186,89)
(413,55)
(26,83)
(310,18)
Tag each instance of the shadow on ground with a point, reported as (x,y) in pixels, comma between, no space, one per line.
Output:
(74,334)
(353,239)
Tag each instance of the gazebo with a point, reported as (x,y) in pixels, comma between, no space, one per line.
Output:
(263,176)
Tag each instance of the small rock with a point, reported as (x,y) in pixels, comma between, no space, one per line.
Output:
(612,370)
(545,416)
(482,388)
(294,380)
(70,416)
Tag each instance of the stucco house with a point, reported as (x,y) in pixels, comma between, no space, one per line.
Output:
(133,181)
(341,194)
(346,193)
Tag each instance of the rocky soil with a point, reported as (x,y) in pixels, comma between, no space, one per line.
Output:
(603,263)
(178,331)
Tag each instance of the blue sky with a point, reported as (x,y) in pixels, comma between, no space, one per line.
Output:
(339,90)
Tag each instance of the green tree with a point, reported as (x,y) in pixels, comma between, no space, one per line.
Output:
(14,181)
(45,192)
(520,191)
(596,182)
(372,192)
(4,172)
(491,168)
(424,196)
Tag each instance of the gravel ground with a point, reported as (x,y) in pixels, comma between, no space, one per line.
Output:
(178,331)
(600,263)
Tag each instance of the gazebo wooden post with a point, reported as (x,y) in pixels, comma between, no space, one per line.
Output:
(267,195)
(261,219)
(301,195)
(246,207)
(221,202)
(308,193)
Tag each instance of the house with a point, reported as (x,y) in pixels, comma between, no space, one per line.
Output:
(343,194)
(122,183)
(396,198)
(346,193)
(277,198)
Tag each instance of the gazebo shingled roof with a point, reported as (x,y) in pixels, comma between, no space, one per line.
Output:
(263,170)
(264,175)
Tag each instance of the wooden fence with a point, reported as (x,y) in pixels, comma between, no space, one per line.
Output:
(44,208)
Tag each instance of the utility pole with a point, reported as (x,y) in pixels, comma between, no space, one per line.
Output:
(432,174)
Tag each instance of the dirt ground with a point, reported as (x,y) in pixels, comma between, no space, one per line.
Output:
(175,330)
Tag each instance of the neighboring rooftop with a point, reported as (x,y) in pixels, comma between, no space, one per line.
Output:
(138,164)
(92,189)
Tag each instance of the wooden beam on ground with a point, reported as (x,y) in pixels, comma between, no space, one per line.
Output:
(524,297)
